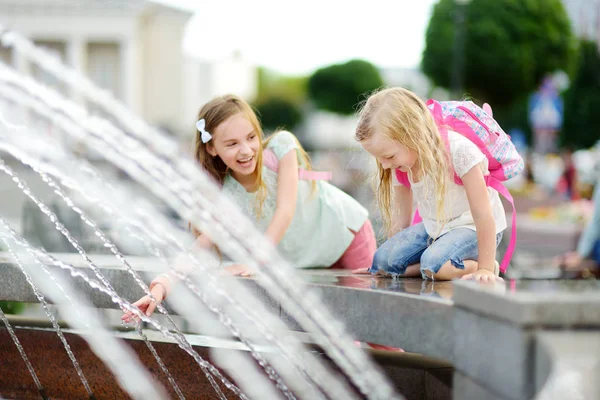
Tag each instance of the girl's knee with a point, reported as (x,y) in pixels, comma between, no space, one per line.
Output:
(380,260)
(430,271)
(448,270)
(432,262)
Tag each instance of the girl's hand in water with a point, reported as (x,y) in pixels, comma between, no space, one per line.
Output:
(483,275)
(146,304)
(239,270)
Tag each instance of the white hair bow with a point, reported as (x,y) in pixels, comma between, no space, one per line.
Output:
(205,136)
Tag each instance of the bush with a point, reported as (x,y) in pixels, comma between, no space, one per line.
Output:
(277,112)
(340,87)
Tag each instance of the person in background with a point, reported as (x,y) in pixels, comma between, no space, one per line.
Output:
(588,247)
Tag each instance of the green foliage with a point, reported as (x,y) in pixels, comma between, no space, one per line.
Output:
(271,84)
(338,88)
(582,100)
(12,307)
(510,45)
(277,112)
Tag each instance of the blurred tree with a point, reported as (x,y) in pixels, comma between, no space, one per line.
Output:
(509,46)
(582,100)
(339,87)
(272,84)
(276,112)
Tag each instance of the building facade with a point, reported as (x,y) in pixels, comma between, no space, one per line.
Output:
(585,18)
(133,48)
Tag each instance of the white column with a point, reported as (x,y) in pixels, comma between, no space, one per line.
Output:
(128,74)
(77,58)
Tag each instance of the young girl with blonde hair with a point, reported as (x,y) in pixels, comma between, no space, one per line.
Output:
(462,224)
(313,223)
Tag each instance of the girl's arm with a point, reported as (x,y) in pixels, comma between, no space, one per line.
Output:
(202,242)
(182,264)
(403,209)
(287,194)
(481,209)
(161,286)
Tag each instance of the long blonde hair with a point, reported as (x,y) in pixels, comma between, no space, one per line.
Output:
(214,113)
(401,115)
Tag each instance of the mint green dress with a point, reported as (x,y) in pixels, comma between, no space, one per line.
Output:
(320,231)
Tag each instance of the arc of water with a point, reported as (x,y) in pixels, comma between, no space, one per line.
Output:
(103,280)
(272,374)
(132,377)
(30,162)
(39,254)
(61,228)
(160,362)
(30,368)
(351,359)
(326,383)
(113,248)
(12,151)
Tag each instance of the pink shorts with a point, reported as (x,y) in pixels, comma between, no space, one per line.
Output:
(361,251)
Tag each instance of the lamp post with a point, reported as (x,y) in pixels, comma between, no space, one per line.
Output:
(459,49)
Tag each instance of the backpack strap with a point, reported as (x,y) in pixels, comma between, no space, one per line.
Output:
(402,178)
(271,161)
(500,188)
(436,111)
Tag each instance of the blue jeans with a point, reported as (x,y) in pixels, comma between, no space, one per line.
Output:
(413,245)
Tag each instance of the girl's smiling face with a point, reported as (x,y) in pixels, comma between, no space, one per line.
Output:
(237,144)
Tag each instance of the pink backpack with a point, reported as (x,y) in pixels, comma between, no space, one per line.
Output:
(478,125)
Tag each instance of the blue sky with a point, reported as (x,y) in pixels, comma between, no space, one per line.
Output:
(296,37)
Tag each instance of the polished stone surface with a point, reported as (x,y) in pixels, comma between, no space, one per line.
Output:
(550,303)
(441,291)
(400,314)
(466,388)
(409,314)
(412,314)
(495,353)
(501,350)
